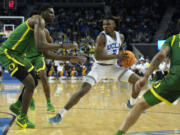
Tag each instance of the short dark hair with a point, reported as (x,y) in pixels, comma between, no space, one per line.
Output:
(109,18)
(44,7)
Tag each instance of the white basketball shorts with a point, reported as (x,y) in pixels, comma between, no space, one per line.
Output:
(99,72)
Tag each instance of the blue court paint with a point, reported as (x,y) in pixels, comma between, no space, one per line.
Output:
(15,91)
(5,123)
(11,81)
(162,132)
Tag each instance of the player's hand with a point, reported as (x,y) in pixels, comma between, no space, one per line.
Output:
(77,59)
(122,55)
(70,45)
(140,84)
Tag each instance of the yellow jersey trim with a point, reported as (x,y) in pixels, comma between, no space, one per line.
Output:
(43,68)
(21,39)
(179,41)
(28,25)
(14,71)
(157,85)
(159,97)
(172,42)
(29,70)
(13,59)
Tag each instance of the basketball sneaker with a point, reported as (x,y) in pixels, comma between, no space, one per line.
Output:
(56,119)
(22,121)
(32,105)
(15,108)
(50,108)
(120,133)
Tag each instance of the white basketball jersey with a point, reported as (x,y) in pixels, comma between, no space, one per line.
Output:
(111,47)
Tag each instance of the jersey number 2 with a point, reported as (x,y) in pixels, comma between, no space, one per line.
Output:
(114,51)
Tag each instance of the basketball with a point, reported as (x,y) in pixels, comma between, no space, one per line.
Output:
(129,61)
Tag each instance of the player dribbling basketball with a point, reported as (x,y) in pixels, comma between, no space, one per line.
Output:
(106,54)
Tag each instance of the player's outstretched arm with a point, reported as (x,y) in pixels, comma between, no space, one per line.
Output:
(64,45)
(54,56)
(157,59)
(40,36)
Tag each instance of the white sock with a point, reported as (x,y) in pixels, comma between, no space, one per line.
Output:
(62,112)
(132,101)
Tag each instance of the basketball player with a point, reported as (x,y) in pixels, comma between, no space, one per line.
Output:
(37,60)
(167,90)
(25,36)
(106,54)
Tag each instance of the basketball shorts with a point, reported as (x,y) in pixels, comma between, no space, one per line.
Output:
(166,90)
(99,72)
(12,61)
(38,63)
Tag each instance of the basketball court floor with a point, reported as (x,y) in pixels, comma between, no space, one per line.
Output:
(100,112)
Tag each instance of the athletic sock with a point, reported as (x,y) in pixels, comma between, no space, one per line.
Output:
(133,101)
(48,101)
(62,112)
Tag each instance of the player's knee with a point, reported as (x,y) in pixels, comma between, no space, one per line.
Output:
(142,105)
(133,78)
(30,85)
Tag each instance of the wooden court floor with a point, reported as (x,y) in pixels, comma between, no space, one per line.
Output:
(100,112)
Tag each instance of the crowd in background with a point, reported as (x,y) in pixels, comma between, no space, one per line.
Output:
(172,24)
(138,20)
(142,65)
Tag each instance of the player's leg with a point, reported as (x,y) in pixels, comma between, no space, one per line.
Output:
(40,67)
(133,116)
(91,79)
(16,66)
(16,107)
(72,101)
(133,79)
(158,93)
(126,75)
(46,88)
(29,84)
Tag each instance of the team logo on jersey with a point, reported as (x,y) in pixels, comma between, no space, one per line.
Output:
(113,46)
(12,66)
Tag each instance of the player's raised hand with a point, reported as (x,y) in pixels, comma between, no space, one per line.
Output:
(76,59)
(122,55)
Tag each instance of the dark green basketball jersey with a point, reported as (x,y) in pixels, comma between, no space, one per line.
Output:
(174,43)
(20,40)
